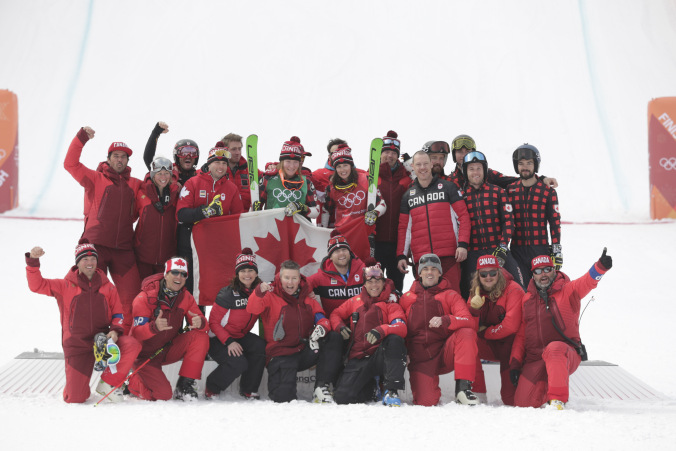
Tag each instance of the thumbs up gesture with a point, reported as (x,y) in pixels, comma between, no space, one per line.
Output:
(195,321)
(161,323)
(606,260)
(477,301)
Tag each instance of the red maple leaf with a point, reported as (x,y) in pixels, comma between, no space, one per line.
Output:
(276,251)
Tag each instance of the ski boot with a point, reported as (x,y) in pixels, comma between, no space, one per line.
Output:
(103,388)
(464,393)
(322,395)
(185,389)
(391,398)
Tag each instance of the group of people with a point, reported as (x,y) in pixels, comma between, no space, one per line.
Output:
(485,248)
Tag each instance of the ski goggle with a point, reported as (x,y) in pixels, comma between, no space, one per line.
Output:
(546,270)
(292,185)
(187,152)
(161,164)
(373,273)
(431,259)
(437,147)
(467,143)
(491,273)
(176,272)
(337,240)
(391,141)
(474,157)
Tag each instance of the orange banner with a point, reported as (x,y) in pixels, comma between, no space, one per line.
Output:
(9,151)
(662,157)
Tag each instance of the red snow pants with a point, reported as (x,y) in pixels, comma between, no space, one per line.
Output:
(547,379)
(459,354)
(495,350)
(150,382)
(79,370)
(121,264)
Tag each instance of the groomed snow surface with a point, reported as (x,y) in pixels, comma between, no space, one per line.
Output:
(571,77)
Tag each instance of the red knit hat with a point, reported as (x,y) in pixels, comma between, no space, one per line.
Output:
(487,261)
(176,263)
(85,249)
(119,146)
(292,150)
(541,261)
(343,154)
(217,153)
(337,241)
(390,142)
(247,259)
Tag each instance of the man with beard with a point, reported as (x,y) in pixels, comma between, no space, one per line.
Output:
(433,219)
(110,213)
(535,206)
(464,144)
(547,348)
(238,170)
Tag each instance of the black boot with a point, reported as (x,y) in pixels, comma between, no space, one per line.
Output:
(185,389)
(464,393)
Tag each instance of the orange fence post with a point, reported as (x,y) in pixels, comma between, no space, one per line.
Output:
(662,157)
(9,151)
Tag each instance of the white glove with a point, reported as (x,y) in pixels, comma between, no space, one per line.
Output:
(370,217)
(318,333)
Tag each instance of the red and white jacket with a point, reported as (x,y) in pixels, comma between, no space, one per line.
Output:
(342,205)
(200,190)
(432,220)
(381,314)
(392,185)
(86,307)
(332,289)
(109,203)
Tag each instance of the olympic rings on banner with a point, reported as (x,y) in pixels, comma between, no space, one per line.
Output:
(668,163)
(350,199)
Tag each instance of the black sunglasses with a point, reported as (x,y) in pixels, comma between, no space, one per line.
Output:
(176,272)
(491,273)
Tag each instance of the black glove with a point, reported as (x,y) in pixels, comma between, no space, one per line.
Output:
(345,332)
(606,260)
(514,376)
(557,256)
(257,206)
(500,253)
(373,336)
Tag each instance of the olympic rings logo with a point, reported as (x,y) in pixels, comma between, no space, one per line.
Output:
(351,199)
(286,196)
(668,163)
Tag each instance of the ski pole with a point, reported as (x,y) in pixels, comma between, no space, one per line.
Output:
(155,354)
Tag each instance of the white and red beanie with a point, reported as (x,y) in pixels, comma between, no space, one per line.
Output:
(218,153)
(486,262)
(343,154)
(119,146)
(390,142)
(541,261)
(292,150)
(247,259)
(85,249)
(176,263)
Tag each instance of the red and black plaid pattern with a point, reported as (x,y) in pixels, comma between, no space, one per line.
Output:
(490,216)
(533,209)
(494,177)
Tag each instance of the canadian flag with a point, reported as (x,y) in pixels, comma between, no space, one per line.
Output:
(273,237)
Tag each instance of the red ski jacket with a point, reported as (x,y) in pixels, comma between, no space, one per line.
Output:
(147,306)
(155,234)
(109,198)
(228,318)
(379,313)
(432,220)
(534,207)
(490,214)
(501,317)
(201,190)
(240,177)
(288,320)
(425,343)
(329,285)
(563,298)
(392,186)
(343,205)
(86,307)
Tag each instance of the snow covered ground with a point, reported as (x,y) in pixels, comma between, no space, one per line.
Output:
(571,77)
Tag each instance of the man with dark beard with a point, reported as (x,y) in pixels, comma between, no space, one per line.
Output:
(547,348)
(535,206)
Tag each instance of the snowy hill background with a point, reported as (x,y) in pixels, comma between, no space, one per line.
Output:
(571,77)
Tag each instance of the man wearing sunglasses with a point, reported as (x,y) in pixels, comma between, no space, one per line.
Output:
(547,348)
(159,311)
(433,219)
(186,153)
(110,213)
(204,196)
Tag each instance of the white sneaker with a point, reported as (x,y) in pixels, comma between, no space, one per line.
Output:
(322,395)
(102,388)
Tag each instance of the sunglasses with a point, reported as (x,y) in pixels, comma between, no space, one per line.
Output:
(161,164)
(176,272)
(187,152)
(467,143)
(546,270)
(491,273)
(389,141)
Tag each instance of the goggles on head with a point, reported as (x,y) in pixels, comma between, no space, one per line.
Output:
(335,240)
(467,143)
(161,164)
(438,147)
(474,157)
(187,152)
(373,272)
(432,259)
(391,141)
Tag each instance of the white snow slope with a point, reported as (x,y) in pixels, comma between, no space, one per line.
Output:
(571,77)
